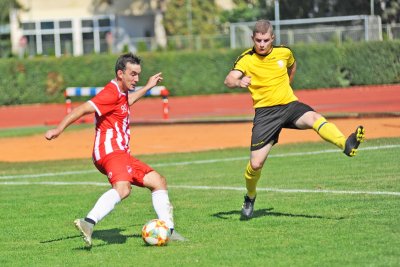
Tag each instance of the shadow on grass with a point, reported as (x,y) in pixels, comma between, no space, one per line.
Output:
(109,236)
(268,212)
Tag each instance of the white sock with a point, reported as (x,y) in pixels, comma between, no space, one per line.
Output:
(104,205)
(163,207)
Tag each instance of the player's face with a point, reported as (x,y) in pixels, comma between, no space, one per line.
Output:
(263,42)
(130,76)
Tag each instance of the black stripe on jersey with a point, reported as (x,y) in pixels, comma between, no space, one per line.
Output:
(247,52)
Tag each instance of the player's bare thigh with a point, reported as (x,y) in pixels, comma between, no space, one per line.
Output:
(307,120)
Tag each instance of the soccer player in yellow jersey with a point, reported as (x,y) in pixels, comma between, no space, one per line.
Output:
(267,71)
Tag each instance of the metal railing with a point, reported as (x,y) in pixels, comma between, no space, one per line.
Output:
(311,34)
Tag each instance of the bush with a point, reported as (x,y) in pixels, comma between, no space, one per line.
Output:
(44,79)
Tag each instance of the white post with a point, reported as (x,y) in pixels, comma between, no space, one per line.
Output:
(277,25)
(77,37)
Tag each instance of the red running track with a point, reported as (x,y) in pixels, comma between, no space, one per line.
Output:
(338,101)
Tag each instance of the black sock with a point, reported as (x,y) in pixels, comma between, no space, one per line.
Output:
(89,221)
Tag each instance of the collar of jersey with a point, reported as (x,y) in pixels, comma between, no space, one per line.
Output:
(116,84)
(254,51)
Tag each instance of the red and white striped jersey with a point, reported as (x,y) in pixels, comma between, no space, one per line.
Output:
(112,121)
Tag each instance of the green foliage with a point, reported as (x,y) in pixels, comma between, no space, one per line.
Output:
(193,17)
(388,10)
(248,10)
(341,227)
(5,6)
(317,66)
(372,62)
(44,79)
(189,73)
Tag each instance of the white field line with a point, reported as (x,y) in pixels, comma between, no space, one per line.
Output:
(226,188)
(209,161)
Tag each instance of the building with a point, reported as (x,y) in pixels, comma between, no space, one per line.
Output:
(77,27)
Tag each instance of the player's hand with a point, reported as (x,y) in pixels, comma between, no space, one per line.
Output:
(154,80)
(245,81)
(52,134)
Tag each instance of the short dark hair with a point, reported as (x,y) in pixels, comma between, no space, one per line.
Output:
(263,26)
(125,59)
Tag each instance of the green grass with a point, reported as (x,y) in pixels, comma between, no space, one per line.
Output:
(29,131)
(290,228)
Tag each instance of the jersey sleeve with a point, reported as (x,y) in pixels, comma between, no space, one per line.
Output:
(104,101)
(240,65)
(291,59)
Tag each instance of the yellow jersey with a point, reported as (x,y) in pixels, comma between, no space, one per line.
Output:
(270,85)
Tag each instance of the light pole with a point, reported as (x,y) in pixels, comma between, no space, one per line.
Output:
(372,7)
(189,22)
(277,24)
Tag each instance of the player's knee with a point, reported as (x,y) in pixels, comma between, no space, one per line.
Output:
(315,116)
(123,190)
(154,181)
(256,164)
(161,183)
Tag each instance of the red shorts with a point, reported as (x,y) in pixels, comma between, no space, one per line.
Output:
(121,166)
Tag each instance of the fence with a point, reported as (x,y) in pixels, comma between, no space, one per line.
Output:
(92,91)
(315,30)
(391,31)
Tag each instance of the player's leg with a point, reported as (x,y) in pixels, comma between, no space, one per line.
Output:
(252,174)
(104,205)
(254,167)
(115,168)
(329,132)
(267,125)
(161,203)
(159,194)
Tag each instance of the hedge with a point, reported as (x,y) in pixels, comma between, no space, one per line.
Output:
(44,79)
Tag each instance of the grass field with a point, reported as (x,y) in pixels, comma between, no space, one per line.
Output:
(315,207)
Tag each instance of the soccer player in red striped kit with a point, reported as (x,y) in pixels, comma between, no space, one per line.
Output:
(111,153)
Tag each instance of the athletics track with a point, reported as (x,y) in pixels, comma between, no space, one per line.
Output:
(382,100)
(377,108)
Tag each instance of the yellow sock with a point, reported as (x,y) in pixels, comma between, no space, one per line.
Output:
(329,132)
(252,178)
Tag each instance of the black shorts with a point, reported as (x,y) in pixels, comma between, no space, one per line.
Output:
(269,121)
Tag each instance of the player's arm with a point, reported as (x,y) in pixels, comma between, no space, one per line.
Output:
(236,79)
(136,95)
(291,72)
(78,112)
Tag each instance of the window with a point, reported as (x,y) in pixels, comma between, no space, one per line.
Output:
(104,22)
(67,47)
(88,42)
(94,33)
(58,38)
(87,23)
(66,24)
(48,44)
(28,26)
(47,25)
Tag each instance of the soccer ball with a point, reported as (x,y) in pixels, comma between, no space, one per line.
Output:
(156,233)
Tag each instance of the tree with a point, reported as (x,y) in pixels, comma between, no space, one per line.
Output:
(5,7)
(249,10)
(191,17)
(389,10)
